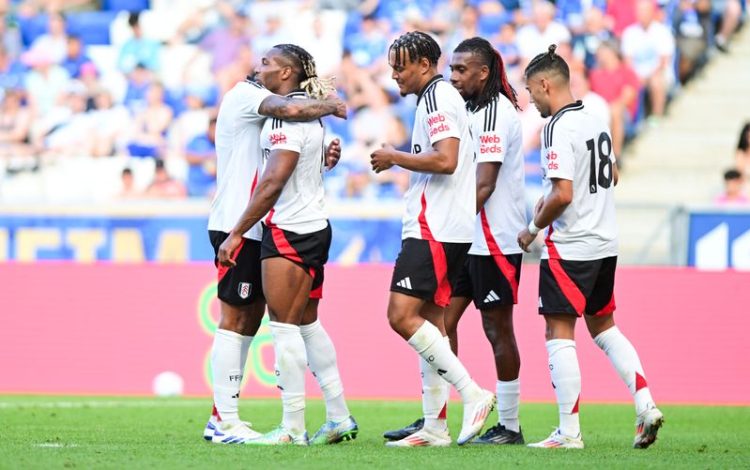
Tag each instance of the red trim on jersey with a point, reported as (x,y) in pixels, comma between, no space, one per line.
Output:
(569,288)
(423,227)
(609,308)
(508,270)
(443,412)
(575,407)
(223,270)
(255,183)
(315,294)
(440,265)
(640,382)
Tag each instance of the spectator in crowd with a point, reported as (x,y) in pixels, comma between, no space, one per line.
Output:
(138,82)
(150,125)
(649,47)
(592,101)
(730,14)
(128,190)
(733,194)
(200,154)
(619,85)
(541,32)
(164,186)
(12,72)
(223,44)
(692,26)
(10,37)
(742,156)
(55,41)
(468,27)
(507,45)
(71,134)
(595,32)
(367,45)
(110,123)
(138,49)
(75,57)
(15,125)
(192,121)
(620,15)
(45,82)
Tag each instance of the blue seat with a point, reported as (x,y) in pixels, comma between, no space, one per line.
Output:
(127,5)
(91,26)
(32,27)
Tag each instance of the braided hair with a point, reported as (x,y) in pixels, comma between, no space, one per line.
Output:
(416,45)
(303,62)
(548,61)
(497,81)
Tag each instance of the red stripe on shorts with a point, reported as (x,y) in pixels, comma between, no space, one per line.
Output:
(285,249)
(508,270)
(609,308)
(439,262)
(317,293)
(569,288)
(223,270)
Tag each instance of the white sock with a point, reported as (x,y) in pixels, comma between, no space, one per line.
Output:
(508,399)
(435,392)
(321,357)
(227,370)
(291,361)
(246,342)
(566,380)
(624,358)
(429,344)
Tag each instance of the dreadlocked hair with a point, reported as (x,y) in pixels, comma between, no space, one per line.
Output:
(548,62)
(416,45)
(314,86)
(497,81)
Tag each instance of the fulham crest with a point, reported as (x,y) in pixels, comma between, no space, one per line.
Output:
(244,290)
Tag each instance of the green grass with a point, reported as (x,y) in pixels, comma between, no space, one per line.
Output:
(82,432)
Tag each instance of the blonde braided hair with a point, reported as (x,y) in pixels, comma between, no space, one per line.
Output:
(315,87)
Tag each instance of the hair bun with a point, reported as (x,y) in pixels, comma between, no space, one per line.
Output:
(551,49)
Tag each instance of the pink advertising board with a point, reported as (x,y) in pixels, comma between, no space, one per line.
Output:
(110,329)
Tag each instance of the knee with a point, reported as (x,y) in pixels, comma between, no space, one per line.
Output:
(396,318)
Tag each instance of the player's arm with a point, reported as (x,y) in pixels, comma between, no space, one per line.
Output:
(442,159)
(615,173)
(281,165)
(551,208)
(486,181)
(288,109)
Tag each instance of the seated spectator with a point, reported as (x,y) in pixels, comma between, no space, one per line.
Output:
(138,49)
(618,84)
(733,194)
(164,186)
(595,32)
(75,57)
(508,47)
(729,14)
(139,81)
(45,82)
(620,15)
(71,135)
(128,190)
(109,125)
(692,25)
(55,41)
(593,102)
(191,122)
(10,37)
(223,44)
(200,155)
(535,37)
(15,125)
(649,47)
(12,72)
(150,125)
(368,44)
(742,156)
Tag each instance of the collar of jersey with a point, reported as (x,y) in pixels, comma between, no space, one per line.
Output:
(432,81)
(577,105)
(297,94)
(475,109)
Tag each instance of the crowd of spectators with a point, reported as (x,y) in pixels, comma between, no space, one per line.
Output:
(142,79)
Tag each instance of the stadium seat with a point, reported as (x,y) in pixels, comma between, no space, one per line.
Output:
(489,25)
(32,27)
(127,5)
(91,26)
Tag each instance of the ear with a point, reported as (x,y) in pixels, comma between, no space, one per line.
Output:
(484,72)
(424,66)
(286,72)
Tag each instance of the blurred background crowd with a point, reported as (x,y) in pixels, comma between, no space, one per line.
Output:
(108,99)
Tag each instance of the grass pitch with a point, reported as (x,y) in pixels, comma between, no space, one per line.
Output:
(83,432)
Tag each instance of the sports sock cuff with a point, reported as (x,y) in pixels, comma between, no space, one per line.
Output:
(602,337)
(230,336)
(555,345)
(310,329)
(424,337)
(282,328)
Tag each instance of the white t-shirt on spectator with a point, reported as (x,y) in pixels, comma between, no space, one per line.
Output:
(531,41)
(646,47)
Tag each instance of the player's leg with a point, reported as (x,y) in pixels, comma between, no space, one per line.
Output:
(321,358)
(453,315)
(622,354)
(286,286)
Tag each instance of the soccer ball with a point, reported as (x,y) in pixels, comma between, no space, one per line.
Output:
(168,384)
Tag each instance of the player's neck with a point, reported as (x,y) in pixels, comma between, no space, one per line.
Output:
(286,88)
(428,79)
(562,100)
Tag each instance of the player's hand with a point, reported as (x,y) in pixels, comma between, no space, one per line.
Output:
(382,158)
(538,206)
(340,106)
(227,250)
(525,239)
(333,154)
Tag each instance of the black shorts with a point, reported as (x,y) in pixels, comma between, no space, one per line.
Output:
(242,284)
(308,250)
(491,281)
(428,269)
(577,287)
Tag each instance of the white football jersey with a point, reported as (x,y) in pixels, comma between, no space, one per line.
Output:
(441,207)
(496,131)
(577,146)
(301,205)
(238,158)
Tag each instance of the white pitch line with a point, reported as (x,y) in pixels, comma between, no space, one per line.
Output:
(54,445)
(101,404)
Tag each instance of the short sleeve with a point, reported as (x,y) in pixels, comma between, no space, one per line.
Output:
(285,136)
(492,138)
(253,96)
(441,119)
(559,161)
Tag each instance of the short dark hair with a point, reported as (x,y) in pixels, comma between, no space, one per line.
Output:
(133,18)
(744,142)
(548,62)
(497,81)
(417,45)
(732,175)
(127,171)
